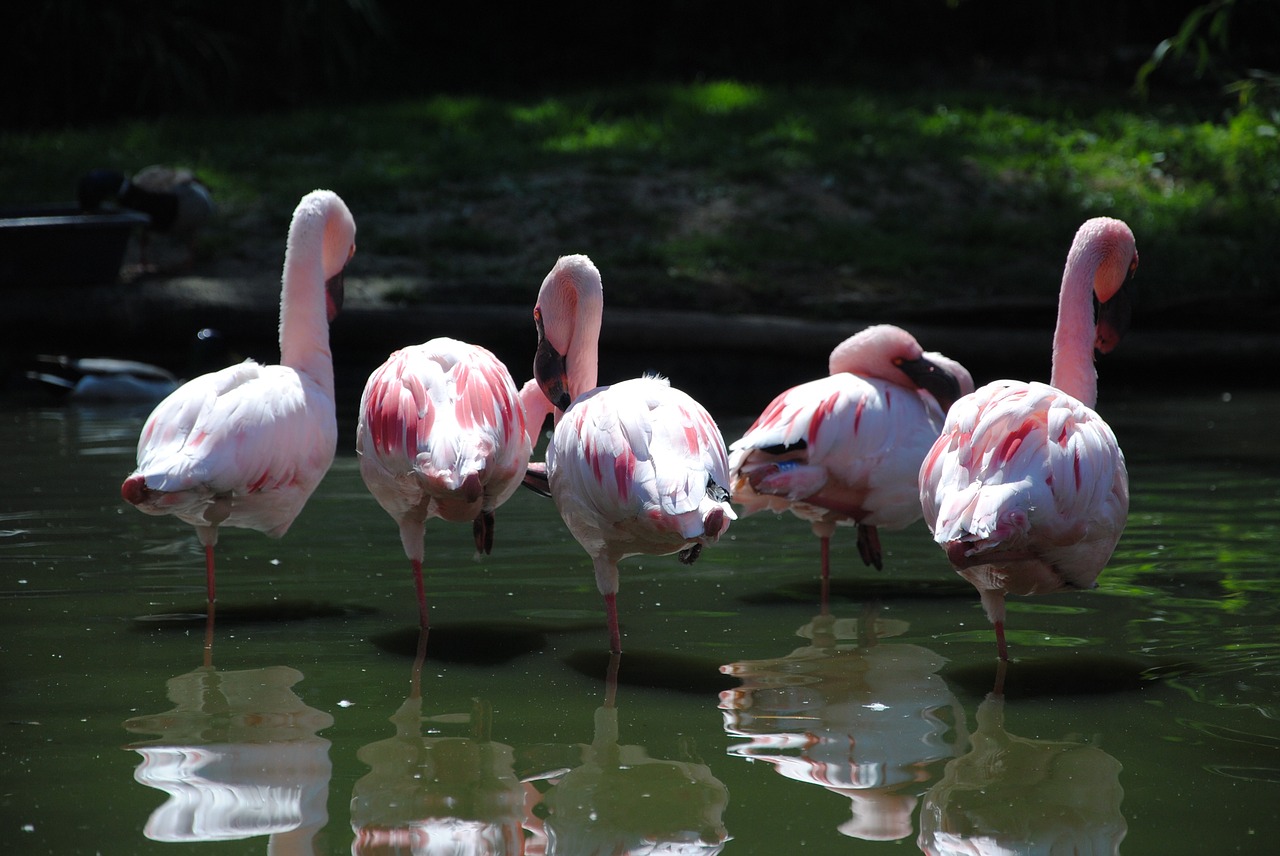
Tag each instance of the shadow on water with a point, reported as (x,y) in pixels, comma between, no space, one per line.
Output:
(467,643)
(665,670)
(861,589)
(1058,676)
(235,615)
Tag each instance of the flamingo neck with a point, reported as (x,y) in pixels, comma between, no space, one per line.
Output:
(1073,338)
(304,319)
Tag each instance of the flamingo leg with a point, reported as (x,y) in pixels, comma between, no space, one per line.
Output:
(1001,648)
(423,621)
(869,546)
(825,552)
(208,636)
(208,575)
(611,610)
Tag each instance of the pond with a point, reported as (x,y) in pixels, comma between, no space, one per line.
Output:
(742,717)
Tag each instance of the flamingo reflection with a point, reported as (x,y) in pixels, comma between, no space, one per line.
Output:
(1011,795)
(848,712)
(239,757)
(621,802)
(438,795)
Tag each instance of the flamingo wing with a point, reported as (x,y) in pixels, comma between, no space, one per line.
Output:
(442,431)
(233,438)
(842,445)
(636,467)
(1024,474)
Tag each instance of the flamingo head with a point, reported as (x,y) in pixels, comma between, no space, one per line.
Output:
(567,317)
(892,354)
(339,247)
(1114,252)
(549,367)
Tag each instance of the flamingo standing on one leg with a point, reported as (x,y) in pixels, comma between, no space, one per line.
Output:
(247,445)
(442,433)
(1026,488)
(846,449)
(634,468)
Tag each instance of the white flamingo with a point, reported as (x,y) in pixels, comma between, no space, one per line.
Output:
(247,445)
(1026,489)
(442,433)
(846,449)
(635,468)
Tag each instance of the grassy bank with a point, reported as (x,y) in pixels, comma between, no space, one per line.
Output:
(814,202)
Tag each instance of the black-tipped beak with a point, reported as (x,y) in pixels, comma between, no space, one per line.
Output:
(550,369)
(334,292)
(933,379)
(1111,319)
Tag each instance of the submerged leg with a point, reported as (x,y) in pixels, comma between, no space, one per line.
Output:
(423,621)
(611,611)
(208,573)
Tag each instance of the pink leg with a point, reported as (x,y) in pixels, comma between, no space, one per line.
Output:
(208,636)
(423,621)
(826,558)
(208,572)
(611,610)
(1001,648)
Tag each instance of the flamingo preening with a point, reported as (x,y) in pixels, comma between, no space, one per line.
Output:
(246,446)
(846,449)
(635,468)
(1026,488)
(442,433)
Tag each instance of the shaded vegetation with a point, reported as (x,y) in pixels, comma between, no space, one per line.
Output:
(801,201)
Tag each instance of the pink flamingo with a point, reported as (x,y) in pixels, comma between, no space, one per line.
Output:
(247,445)
(442,433)
(634,468)
(846,449)
(1026,488)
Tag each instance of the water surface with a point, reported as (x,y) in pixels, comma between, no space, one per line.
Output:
(744,718)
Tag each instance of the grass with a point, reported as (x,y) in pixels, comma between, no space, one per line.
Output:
(815,202)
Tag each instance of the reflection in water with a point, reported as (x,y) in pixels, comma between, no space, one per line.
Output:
(620,801)
(437,795)
(239,757)
(863,720)
(1010,795)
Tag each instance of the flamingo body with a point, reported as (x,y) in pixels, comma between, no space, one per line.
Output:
(846,449)
(442,433)
(246,446)
(637,467)
(1026,488)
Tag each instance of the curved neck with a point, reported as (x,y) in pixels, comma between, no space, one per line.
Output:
(1073,338)
(304,319)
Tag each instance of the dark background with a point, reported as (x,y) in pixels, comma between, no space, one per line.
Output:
(87,61)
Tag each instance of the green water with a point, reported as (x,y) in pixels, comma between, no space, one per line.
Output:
(744,719)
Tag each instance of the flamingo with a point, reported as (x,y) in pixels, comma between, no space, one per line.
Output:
(178,202)
(1026,488)
(846,449)
(246,446)
(635,468)
(442,433)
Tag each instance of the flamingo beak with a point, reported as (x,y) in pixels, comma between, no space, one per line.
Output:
(933,379)
(550,369)
(334,292)
(1112,320)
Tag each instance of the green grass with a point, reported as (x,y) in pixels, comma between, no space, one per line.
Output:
(807,202)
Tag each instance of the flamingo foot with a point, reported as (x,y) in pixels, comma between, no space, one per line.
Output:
(423,621)
(611,611)
(869,547)
(482,529)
